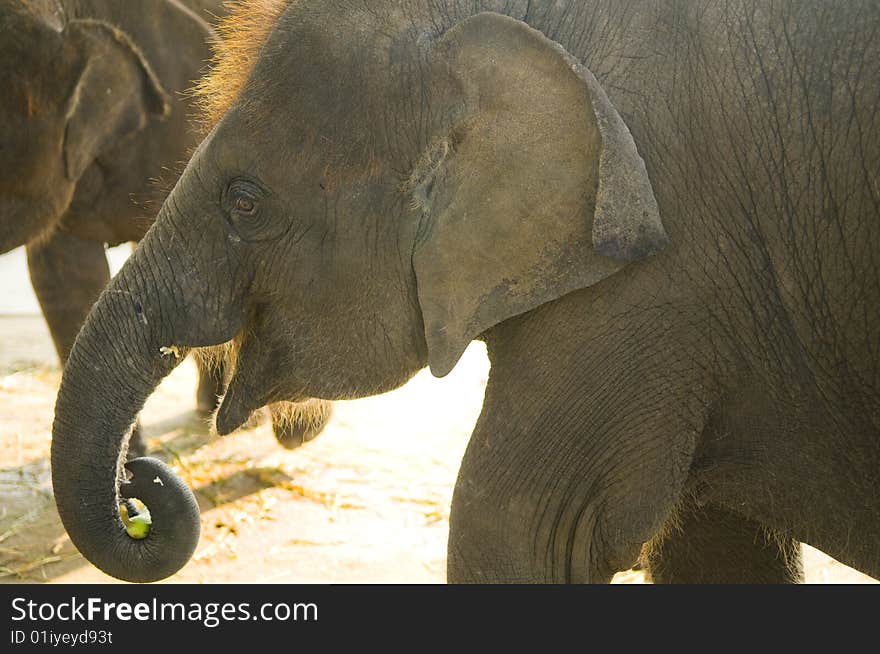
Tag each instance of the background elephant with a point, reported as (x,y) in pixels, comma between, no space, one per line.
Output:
(661,219)
(95,116)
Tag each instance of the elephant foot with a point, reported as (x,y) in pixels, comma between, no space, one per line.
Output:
(297,424)
(137,444)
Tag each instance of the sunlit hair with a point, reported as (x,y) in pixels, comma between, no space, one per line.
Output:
(240,38)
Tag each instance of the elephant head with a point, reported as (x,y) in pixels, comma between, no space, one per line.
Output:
(372,198)
(71,88)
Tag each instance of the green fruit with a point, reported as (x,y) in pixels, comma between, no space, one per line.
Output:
(138,527)
(137,523)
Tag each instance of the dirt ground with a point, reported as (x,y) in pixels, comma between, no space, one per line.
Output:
(366,502)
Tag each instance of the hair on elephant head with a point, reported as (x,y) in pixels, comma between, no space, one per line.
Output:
(374,196)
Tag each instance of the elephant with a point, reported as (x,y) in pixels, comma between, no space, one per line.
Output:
(660,218)
(96,112)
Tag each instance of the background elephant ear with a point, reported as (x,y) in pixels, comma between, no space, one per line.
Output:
(116,95)
(532,189)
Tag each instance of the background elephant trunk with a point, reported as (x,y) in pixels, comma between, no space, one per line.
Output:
(131,340)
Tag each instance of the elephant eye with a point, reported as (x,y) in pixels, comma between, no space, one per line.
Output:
(251,212)
(242,197)
(244,204)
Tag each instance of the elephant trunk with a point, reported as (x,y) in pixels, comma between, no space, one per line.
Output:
(134,336)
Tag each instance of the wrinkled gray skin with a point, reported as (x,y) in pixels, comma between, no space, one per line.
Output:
(714,394)
(95,113)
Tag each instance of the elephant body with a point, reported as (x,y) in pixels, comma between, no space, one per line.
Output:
(745,358)
(662,219)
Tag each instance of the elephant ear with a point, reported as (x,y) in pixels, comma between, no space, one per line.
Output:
(533,189)
(116,95)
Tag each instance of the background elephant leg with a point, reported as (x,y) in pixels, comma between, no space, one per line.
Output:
(137,444)
(711,545)
(68,274)
(211,385)
(295,424)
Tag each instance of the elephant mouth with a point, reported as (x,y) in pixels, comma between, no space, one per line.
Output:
(242,399)
(235,409)
(255,374)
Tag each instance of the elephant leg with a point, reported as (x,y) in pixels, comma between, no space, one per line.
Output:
(581,452)
(137,444)
(212,378)
(68,274)
(561,515)
(295,424)
(712,545)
